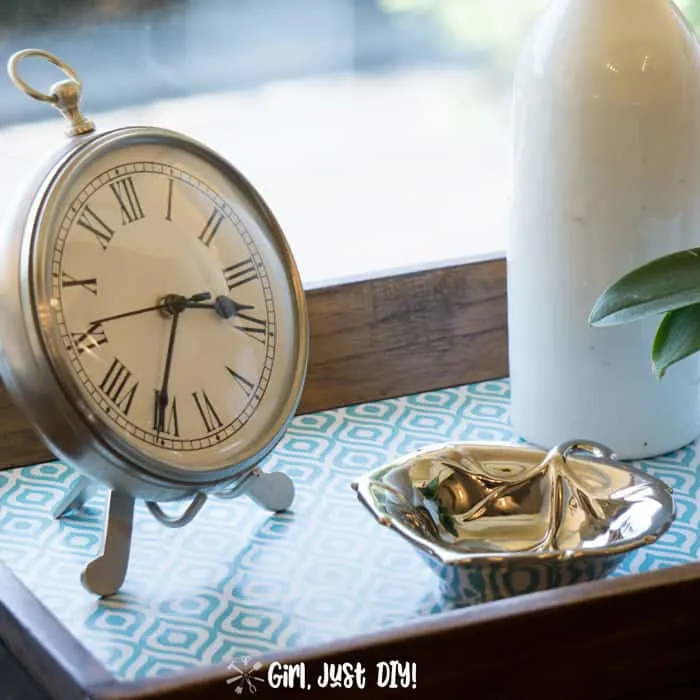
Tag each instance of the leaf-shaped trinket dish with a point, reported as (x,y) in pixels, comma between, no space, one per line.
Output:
(496,519)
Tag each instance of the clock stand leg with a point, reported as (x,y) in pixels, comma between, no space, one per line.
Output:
(273,491)
(105,575)
(75,498)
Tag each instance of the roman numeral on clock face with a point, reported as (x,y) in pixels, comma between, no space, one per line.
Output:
(118,386)
(169,210)
(89,284)
(211,227)
(91,222)
(240,273)
(241,381)
(209,416)
(166,422)
(128,200)
(93,337)
(255,328)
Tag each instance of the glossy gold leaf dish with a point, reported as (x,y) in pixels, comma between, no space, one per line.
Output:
(497,519)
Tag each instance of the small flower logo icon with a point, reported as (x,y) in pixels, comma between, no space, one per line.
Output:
(244,675)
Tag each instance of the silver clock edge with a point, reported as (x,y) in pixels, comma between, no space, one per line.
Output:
(32,380)
(18,366)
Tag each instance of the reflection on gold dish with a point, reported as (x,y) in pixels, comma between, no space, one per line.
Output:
(497,519)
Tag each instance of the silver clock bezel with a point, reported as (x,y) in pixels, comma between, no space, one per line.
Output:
(37,373)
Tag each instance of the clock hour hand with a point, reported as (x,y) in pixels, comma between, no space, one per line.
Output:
(223,305)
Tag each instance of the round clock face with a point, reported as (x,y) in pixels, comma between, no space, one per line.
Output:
(174,306)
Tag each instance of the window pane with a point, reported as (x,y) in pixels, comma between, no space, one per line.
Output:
(376,129)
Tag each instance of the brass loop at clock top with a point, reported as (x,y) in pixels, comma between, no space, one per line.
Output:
(64,96)
(12,69)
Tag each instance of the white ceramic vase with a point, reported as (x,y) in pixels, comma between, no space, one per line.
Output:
(607,177)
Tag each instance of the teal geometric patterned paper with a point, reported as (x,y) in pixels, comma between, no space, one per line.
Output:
(239,582)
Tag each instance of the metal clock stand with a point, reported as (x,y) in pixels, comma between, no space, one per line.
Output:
(105,574)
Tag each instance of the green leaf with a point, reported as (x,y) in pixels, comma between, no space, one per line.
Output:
(677,337)
(430,489)
(665,284)
(447,522)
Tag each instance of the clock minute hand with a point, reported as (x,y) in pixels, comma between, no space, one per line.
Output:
(162,399)
(175,304)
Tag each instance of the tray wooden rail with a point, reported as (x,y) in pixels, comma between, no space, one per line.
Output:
(631,637)
(372,340)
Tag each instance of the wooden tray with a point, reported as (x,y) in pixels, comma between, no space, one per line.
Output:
(627,637)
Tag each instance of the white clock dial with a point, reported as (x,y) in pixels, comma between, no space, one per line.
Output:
(173,306)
